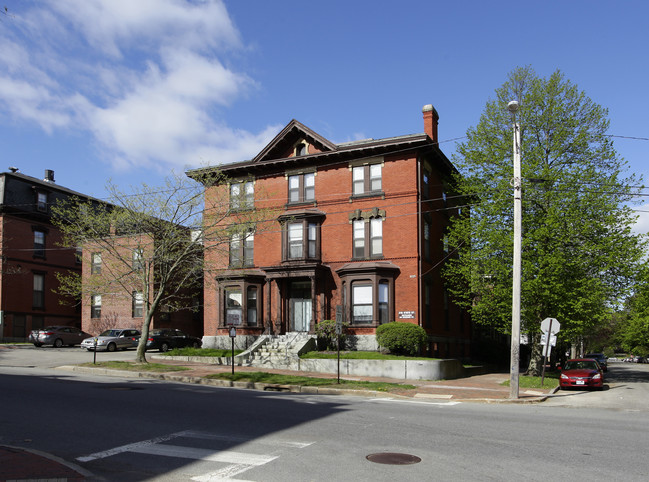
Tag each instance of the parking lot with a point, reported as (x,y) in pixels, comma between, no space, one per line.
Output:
(29,356)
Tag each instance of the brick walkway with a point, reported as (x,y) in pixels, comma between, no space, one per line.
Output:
(20,464)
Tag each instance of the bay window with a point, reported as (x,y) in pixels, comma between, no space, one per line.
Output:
(368,292)
(301,235)
(242,302)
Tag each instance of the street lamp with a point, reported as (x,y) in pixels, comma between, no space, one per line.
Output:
(516,286)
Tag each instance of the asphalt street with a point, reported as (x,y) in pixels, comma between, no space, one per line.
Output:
(120,429)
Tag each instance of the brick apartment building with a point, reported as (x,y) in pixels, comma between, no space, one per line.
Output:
(119,301)
(32,256)
(359,226)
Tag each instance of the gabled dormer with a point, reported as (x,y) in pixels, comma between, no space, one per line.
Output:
(294,140)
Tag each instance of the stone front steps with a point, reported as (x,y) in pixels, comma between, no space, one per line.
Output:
(281,351)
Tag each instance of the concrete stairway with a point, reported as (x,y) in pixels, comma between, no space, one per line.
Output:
(281,351)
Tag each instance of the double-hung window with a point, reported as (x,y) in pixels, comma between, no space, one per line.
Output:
(295,240)
(242,195)
(95,306)
(367,179)
(384,299)
(302,240)
(242,249)
(38,299)
(138,263)
(367,237)
(301,188)
(39,243)
(95,263)
(251,303)
(41,202)
(233,306)
(138,304)
(362,303)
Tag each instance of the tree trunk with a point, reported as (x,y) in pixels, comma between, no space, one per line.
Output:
(140,356)
(536,358)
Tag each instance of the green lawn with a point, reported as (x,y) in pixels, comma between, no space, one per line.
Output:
(263,377)
(524,381)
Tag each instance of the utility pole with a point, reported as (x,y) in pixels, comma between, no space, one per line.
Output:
(516,284)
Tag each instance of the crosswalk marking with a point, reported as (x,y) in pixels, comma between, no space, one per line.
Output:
(225,474)
(237,462)
(225,456)
(234,438)
(129,447)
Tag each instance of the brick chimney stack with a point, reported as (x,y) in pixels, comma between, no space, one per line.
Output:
(431,119)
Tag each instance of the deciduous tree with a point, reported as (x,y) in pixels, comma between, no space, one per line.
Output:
(579,254)
(152,241)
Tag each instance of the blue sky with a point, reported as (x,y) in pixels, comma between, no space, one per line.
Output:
(132,90)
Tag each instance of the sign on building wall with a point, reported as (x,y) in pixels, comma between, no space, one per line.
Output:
(406,315)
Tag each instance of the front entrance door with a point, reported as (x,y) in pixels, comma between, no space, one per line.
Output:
(300,306)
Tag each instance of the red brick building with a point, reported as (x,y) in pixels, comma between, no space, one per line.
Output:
(32,256)
(359,226)
(118,269)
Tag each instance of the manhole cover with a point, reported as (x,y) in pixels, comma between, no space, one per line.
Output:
(393,459)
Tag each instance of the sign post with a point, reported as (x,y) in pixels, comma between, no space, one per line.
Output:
(550,327)
(233,334)
(339,331)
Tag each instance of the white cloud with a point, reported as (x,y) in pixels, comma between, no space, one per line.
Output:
(113,25)
(146,78)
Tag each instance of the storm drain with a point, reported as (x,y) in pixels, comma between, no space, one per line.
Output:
(391,458)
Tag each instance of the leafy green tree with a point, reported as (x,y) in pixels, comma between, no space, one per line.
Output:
(579,255)
(632,332)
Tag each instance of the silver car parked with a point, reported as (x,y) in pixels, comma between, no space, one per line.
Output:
(111,340)
(57,336)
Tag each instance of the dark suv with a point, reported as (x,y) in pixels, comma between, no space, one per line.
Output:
(601,359)
(164,339)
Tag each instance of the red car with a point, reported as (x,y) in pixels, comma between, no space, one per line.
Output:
(581,373)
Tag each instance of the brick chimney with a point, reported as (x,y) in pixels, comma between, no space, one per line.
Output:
(431,119)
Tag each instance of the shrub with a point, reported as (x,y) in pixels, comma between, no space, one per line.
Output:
(326,332)
(401,338)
